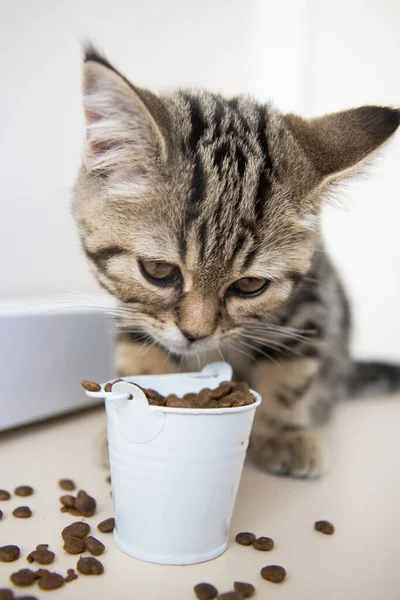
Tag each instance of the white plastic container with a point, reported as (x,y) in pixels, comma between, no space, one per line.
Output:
(175,472)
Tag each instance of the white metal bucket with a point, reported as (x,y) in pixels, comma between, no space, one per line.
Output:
(175,472)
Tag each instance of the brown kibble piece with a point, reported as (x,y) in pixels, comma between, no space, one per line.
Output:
(94,546)
(77,529)
(41,555)
(85,504)
(223,389)
(1,514)
(263,543)
(205,591)
(155,398)
(9,553)
(274,573)
(40,572)
(241,386)
(324,527)
(22,512)
(71,576)
(67,484)
(4,495)
(23,490)
(173,401)
(68,501)
(71,511)
(245,589)
(245,538)
(107,525)
(89,566)
(23,578)
(74,545)
(51,581)
(6,594)
(230,596)
(90,386)
(108,388)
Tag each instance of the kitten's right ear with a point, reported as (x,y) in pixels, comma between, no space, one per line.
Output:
(124,126)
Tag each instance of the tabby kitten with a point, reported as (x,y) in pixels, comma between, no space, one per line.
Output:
(201,215)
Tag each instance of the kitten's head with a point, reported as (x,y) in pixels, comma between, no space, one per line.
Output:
(201,213)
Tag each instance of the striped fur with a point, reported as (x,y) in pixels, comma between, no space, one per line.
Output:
(225,189)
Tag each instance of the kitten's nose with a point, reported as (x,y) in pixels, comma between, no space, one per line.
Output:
(191,337)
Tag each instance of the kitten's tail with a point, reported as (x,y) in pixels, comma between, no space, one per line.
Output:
(373,379)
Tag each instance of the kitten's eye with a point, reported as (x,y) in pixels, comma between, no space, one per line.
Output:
(248,286)
(159,272)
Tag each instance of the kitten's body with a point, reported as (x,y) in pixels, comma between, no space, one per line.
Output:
(226,193)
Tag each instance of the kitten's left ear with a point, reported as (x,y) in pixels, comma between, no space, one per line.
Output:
(125,125)
(337,143)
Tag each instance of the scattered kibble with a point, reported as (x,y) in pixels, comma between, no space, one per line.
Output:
(41,555)
(94,546)
(85,504)
(74,545)
(108,387)
(68,501)
(4,495)
(77,529)
(263,543)
(245,538)
(23,578)
(87,565)
(71,576)
(6,594)
(22,512)
(23,490)
(67,484)
(90,386)
(51,581)
(274,573)
(324,527)
(230,596)
(9,553)
(107,525)
(247,590)
(205,591)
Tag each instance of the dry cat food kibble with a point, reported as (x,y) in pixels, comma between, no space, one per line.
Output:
(263,543)
(324,527)
(74,545)
(71,576)
(229,394)
(77,529)
(6,594)
(41,555)
(23,490)
(22,512)
(205,591)
(247,590)
(94,546)
(230,596)
(274,573)
(67,484)
(51,581)
(89,566)
(9,553)
(107,525)
(83,505)
(1,514)
(245,538)
(4,495)
(90,386)
(23,578)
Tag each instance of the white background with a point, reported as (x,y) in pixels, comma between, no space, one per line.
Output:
(308,56)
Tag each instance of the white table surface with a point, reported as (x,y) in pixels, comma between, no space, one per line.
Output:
(360,495)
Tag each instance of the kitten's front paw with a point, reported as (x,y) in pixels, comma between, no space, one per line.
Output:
(296,453)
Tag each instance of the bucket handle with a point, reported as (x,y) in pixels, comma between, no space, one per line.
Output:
(133,416)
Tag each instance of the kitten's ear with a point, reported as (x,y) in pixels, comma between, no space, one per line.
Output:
(338,142)
(124,124)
